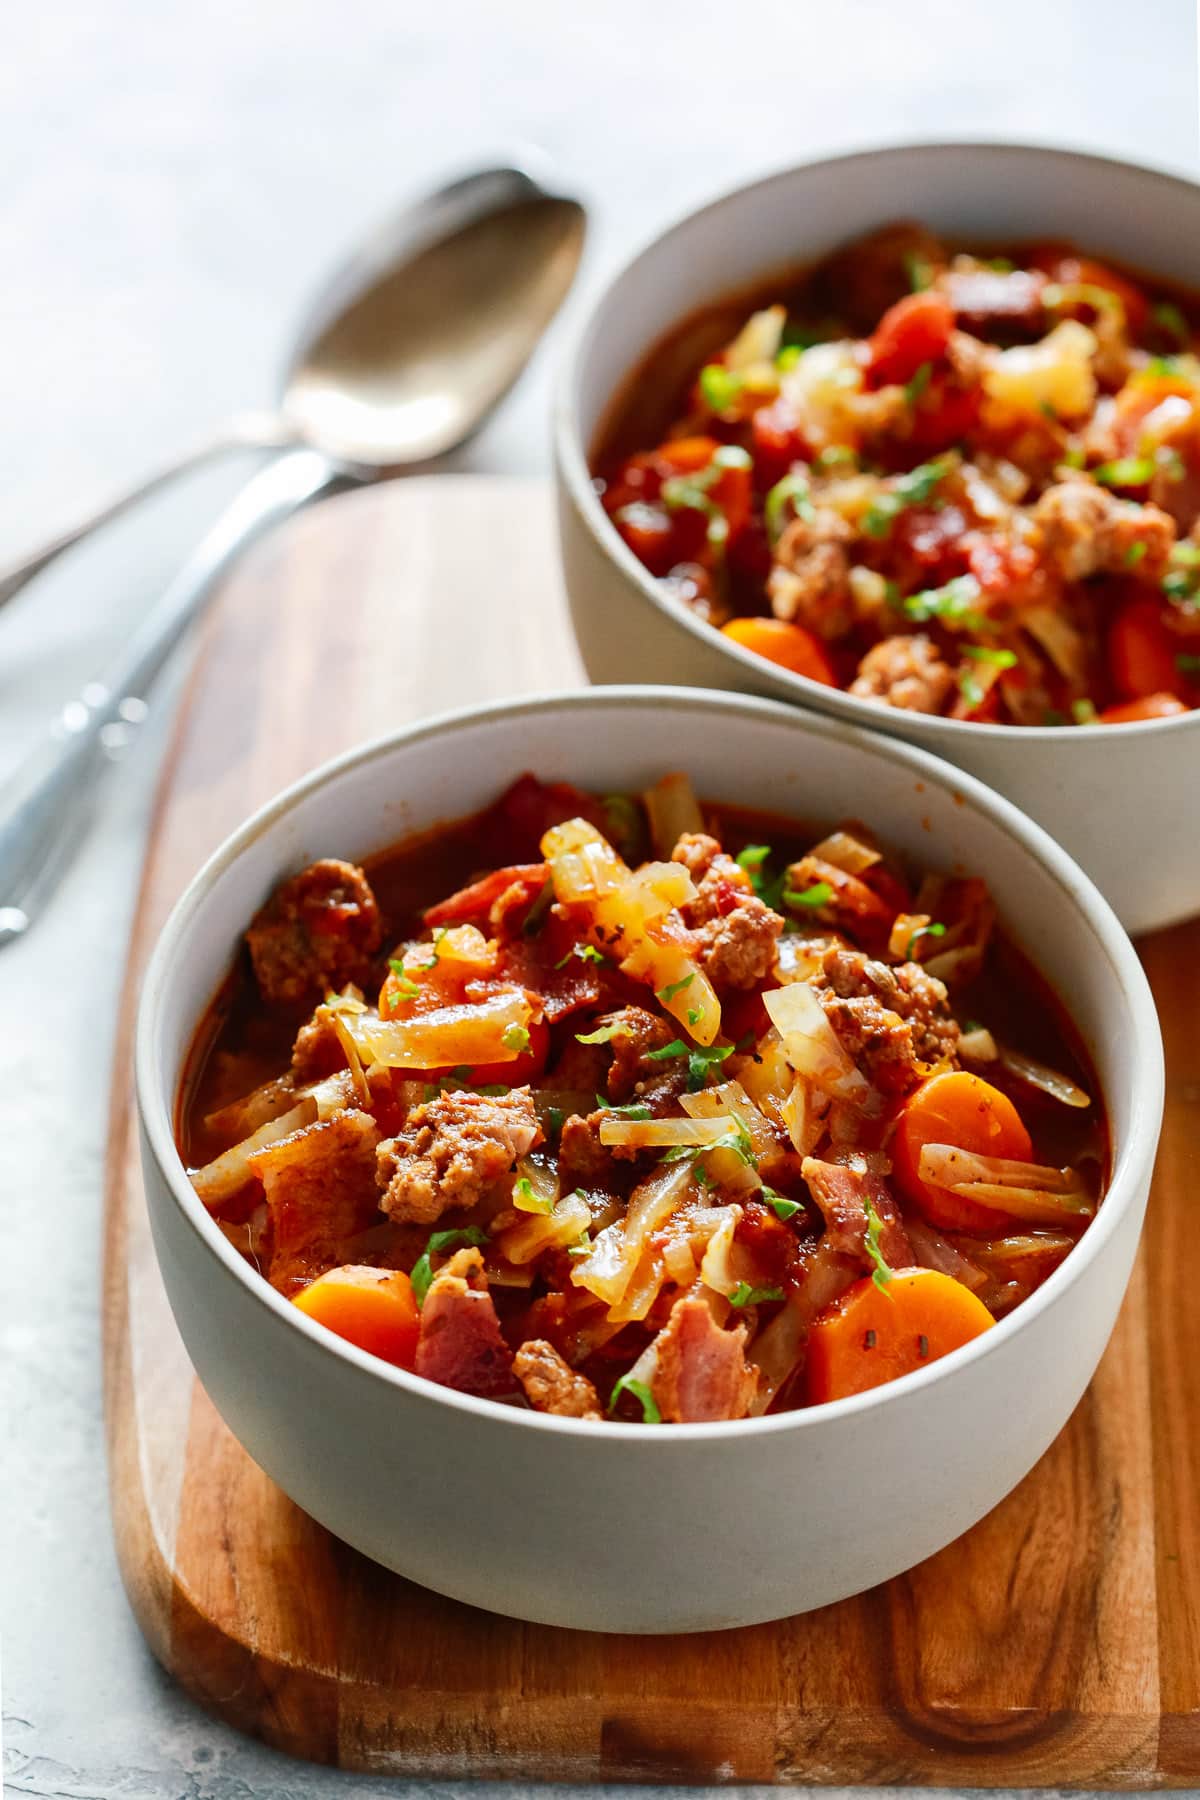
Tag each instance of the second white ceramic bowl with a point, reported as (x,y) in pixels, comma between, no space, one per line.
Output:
(645,1528)
(1123,799)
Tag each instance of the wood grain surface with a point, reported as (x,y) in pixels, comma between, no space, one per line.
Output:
(1057,1644)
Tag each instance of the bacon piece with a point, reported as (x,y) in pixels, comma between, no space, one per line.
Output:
(701,1372)
(843,1194)
(319,1185)
(552,1385)
(504,890)
(461,1345)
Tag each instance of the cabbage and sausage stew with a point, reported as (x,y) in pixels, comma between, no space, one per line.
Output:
(956,484)
(628,1108)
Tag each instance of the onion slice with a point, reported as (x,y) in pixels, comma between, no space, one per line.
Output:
(813,1048)
(1033,1191)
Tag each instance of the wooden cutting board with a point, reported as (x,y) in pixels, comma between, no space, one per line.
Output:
(1058,1643)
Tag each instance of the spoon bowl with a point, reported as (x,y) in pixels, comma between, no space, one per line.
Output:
(418,338)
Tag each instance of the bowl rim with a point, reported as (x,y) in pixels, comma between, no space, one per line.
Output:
(573,465)
(1131,1169)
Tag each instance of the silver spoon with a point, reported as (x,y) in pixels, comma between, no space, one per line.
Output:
(401,358)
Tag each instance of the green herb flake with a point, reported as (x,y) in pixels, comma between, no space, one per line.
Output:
(676,1047)
(836,456)
(780,1205)
(435,950)
(634,1110)
(604,1034)
(745,1295)
(919,271)
(969,688)
(934,931)
(819,894)
(788,357)
(1187,663)
(668,993)
(639,1392)
(793,488)
(1125,472)
(1171,319)
(1134,554)
(881,1274)
(554,1121)
(408,988)
(515,1038)
(752,858)
(999,659)
(584,952)
(422,1273)
(954,603)
(1083,712)
(719,386)
(920,381)
(694,1015)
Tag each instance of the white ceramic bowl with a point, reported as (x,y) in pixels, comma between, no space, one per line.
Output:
(631,1527)
(1123,799)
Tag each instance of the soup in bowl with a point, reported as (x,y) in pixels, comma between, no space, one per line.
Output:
(561,1155)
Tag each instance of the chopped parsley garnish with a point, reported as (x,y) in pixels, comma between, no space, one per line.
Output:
(819,894)
(745,1295)
(919,272)
(585,953)
(788,357)
(1126,471)
(534,918)
(554,1121)
(881,1274)
(737,1139)
(690,492)
(1134,554)
(1048,412)
(693,1015)
(640,1392)
(1003,265)
(700,1059)
(668,993)
(604,1034)
(1083,712)
(999,659)
(835,455)
(969,688)
(1164,365)
(954,602)
(1171,319)
(406,987)
(515,1038)
(719,386)
(422,1274)
(752,858)
(1057,295)
(912,489)
(634,1110)
(794,488)
(780,1205)
(526,1200)
(920,381)
(935,930)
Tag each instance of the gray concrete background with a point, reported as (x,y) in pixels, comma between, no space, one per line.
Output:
(172,181)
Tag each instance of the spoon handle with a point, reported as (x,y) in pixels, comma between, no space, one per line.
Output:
(42,802)
(254,431)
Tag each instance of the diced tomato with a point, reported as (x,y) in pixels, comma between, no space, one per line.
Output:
(776,442)
(1063,265)
(650,533)
(731,493)
(1142,650)
(934,541)
(520,818)
(914,331)
(1132,712)
(1003,567)
(944,415)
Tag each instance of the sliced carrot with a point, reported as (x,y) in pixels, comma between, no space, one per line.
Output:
(791,646)
(963,1110)
(373,1308)
(872,1335)
(1151,706)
